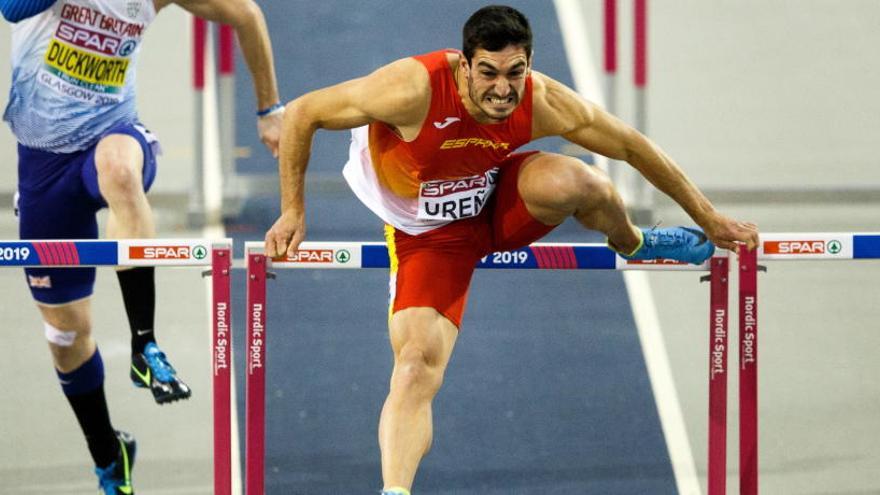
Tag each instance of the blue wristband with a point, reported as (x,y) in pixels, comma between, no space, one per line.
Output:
(267,111)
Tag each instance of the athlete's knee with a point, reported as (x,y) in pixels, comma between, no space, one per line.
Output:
(69,348)
(575,180)
(116,177)
(595,186)
(563,183)
(67,325)
(119,169)
(58,337)
(415,373)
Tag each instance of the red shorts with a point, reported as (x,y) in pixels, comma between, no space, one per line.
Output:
(434,269)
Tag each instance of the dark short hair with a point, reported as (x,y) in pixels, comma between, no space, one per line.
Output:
(495,27)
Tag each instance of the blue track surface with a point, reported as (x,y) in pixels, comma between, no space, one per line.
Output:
(547,390)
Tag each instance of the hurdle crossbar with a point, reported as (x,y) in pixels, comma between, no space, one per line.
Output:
(119,252)
(539,256)
(216,254)
(585,256)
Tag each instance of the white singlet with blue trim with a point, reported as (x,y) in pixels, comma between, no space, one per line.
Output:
(73,72)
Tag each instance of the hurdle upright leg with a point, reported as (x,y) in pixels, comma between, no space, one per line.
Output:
(748,372)
(255,378)
(718,322)
(221,265)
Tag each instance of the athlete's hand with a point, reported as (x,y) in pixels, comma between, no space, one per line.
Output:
(730,234)
(269,128)
(286,234)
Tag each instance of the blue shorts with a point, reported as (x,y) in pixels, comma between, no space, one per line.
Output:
(58,199)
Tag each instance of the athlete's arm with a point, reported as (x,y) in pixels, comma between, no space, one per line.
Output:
(247,19)
(559,111)
(19,10)
(397,94)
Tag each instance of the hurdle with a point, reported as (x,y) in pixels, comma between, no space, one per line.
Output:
(357,255)
(842,246)
(216,255)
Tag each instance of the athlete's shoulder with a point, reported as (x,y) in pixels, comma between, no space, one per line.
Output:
(548,90)
(438,59)
(405,76)
(557,109)
(396,93)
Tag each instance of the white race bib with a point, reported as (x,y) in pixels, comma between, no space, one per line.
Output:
(453,199)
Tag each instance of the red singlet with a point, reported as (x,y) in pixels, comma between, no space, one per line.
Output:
(449,197)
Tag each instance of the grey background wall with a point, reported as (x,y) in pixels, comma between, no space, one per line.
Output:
(744,94)
(751,94)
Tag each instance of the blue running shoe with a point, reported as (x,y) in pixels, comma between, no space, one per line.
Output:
(673,243)
(115,479)
(151,369)
(395,491)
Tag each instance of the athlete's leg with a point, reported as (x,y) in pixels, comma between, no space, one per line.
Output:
(422,341)
(53,204)
(555,187)
(430,277)
(119,163)
(80,371)
(122,170)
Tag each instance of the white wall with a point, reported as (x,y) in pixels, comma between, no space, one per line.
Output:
(753,94)
(165,100)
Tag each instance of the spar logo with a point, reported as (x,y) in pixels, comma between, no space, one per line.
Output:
(803,247)
(311,256)
(834,247)
(86,38)
(167,252)
(317,256)
(343,256)
(199,252)
(438,188)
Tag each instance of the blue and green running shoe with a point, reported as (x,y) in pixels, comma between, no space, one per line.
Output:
(115,479)
(151,369)
(674,243)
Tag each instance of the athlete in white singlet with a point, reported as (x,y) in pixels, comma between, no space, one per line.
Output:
(81,147)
